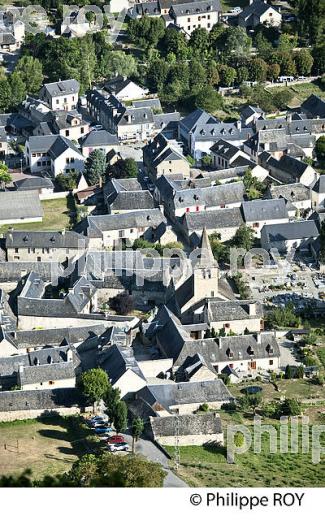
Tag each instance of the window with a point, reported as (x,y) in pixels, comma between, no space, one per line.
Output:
(51,382)
(16,250)
(82,130)
(256,225)
(271,362)
(57,101)
(67,133)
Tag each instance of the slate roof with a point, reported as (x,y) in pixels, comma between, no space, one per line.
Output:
(42,239)
(194,7)
(117,360)
(40,399)
(53,372)
(17,205)
(7,38)
(53,145)
(62,88)
(257,8)
(198,117)
(210,196)
(192,424)
(233,310)
(290,231)
(260,210)
(55,337)
(224,149)
(173,394)
(12,271)
(319,186)
(99,138)
(314,105)
(131,200)
(227,349)
(133,219)
(292,192)
(250,110)
(214,219)
(34,183)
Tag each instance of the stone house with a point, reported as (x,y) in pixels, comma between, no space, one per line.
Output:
(259,12)
(125,89)
(224,222)
(61,95)
(258,213)
(318,193)
(18,207)
(193,430)
(300,235)
(163,157)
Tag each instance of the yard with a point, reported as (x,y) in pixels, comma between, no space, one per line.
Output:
(206,466)
(56,217)
(300,389)
(300,92)
(48,447)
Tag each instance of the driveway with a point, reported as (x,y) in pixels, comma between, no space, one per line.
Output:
(287,354)
(149,450)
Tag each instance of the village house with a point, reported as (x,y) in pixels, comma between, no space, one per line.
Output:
(38,303)
(299,236)
(184,398)
(124,195)
(199,131)
(258,213)
(193,429)
(259,12)
(196,200)
(42,185)
(61,95)
(192,14)
(18,207)
(226,155)
(163,157)
(98,140)
(53,154)
(125,89)
(4,144)
(318,193)
(44,246)
(67,124)
(233,316)
(250,114)
(297,194)
(110,231)
(288,170)
(223,222)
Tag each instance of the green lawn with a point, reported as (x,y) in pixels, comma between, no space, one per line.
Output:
(48,447)
(301,92)
(321,355)
(207,467)
(297,388)
(56,217)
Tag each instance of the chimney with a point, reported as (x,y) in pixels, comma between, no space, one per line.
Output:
(69,355)
(252,309)
(238,125)
(258,337)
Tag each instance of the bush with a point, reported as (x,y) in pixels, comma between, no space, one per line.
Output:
(122,304)
(204,407)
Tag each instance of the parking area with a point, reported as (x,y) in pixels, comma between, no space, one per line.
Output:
(288,354)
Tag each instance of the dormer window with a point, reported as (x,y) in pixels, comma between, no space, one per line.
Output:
(250,351)
(230,353)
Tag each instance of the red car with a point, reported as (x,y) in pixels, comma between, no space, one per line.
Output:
(116,439)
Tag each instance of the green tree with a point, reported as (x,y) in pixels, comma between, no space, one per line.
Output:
(111,398)
(5,177)
(244,238)
(94,384)
(137,429)
(212,73)
(320,148)
(175,42)
(18,89)
(5,95)
(304,62)
(199,41)
(95,167)
(119,416)
(258,69)
(236,42)
(117,63)
(291,407)
(274,71)
(30,71)
(227,75)
(124,169)
(287,42)
(107,470)
(209,99)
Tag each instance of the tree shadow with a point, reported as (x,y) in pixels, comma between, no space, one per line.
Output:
(215,449)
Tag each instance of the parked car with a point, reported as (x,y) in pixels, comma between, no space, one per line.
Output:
(116,439)
(236,10)
(96,418)
(103,429)
(123,446)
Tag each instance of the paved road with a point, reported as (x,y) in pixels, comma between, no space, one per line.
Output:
(287,354)
(149,450)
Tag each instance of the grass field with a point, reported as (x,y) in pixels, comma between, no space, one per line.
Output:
(300,92)
(56,217)
(206,466)
(293,388)
(47,447)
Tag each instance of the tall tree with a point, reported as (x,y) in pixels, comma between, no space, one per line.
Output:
(5,177)
(31,72)
(137,429)
(95,167)
(18,89)
(119,417)
(94,384)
